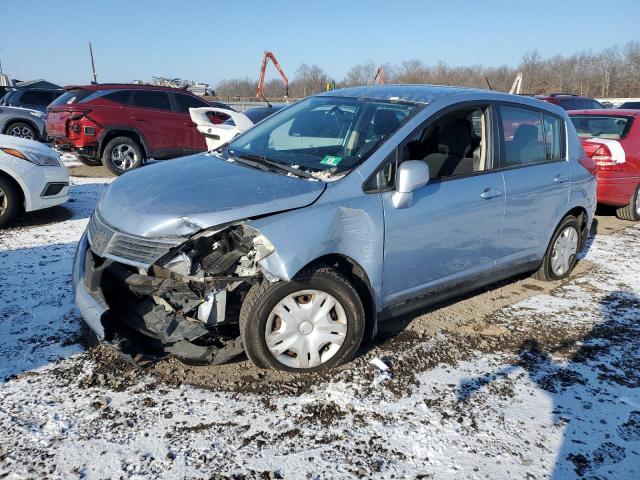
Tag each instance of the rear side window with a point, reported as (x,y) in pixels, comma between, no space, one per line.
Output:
(36,97)
(185,102)
(579,104)
(120,96)
(154,100)
(70,97)
(530,136)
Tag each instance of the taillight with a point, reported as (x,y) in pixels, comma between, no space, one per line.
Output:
(589,164)
(78,114)
(607,154)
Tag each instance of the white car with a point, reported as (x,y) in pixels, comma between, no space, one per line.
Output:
(219,134)
(31,177)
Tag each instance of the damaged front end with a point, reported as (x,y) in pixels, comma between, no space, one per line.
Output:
(185,303)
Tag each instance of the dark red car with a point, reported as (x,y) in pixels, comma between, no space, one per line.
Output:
(122,125)
(611,137)
(569,101)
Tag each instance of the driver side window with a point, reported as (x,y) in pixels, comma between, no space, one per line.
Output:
(455,144)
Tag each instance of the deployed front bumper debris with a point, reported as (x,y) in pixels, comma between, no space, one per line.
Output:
(187,303)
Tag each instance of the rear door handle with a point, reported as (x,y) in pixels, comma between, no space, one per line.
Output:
(490,193)
(561,179)
(138,119)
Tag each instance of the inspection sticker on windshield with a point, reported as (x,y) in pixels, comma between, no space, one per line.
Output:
(331,160)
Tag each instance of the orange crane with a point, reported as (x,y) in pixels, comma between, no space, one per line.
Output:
(270,56)
(379,75)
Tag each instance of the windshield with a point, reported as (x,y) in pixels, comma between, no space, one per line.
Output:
(600,126)
(323,134)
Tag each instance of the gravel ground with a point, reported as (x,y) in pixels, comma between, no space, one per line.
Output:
(522,380)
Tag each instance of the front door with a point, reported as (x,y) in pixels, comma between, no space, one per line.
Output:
(451,231)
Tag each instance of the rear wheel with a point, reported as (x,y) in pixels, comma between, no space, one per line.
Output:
(22,130)
(121,155)
(9,202)
(631,211)
(314,322)
(562,252)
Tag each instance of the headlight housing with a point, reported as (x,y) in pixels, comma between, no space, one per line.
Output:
(34,156)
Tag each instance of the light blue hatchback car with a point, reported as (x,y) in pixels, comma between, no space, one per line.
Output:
(294,240)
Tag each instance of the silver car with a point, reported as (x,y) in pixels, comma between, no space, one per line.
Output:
(22,122)
(348,208)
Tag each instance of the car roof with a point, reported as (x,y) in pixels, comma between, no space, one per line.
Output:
(128,86)
(614,112)
(409,93)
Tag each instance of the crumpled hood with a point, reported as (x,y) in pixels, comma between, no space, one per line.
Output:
(180,197)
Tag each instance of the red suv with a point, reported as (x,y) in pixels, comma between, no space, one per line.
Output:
(121,126)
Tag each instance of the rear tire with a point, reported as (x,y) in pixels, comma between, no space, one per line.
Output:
(88,161)
(9,202)
(22,130)
(121,155)
(632,211)
(336,333)
(561,255)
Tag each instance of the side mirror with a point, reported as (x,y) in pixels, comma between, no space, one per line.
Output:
(412,175)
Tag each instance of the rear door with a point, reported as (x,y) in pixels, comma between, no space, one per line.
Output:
(537,180)
(152,116)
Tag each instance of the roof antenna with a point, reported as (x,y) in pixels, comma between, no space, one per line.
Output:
(488,83)
(93,65)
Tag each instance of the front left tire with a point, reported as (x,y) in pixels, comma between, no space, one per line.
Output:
(314,322)
(9,202)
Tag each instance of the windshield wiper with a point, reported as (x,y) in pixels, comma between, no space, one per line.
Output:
(262,160)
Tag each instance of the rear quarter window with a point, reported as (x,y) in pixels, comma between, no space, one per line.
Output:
(151,99)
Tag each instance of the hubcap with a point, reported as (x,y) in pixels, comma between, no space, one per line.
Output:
(564,250)
(4,202)
(305,329)
(124,157)
(22,132)
(638,202)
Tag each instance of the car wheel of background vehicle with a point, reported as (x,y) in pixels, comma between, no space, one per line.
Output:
(9,202)
(121,155)
(631,211)
(88,161)
(562,251)
(315,321)
(22,130)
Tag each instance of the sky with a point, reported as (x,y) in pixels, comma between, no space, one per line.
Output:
(208,41)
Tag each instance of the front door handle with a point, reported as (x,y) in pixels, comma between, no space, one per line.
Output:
(560,179)
(490,193)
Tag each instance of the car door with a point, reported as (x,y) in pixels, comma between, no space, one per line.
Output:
(537,180)
(450,233)
(190,139)
(152,116)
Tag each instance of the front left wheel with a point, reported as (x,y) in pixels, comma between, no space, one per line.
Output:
(314,322)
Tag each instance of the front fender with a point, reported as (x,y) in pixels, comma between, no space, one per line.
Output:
(352,227)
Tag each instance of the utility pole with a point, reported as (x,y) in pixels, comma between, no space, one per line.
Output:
(93,65)
(1,72)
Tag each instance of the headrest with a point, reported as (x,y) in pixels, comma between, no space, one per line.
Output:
(455,138)
(384,122)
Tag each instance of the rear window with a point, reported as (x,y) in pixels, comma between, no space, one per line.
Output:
(601,126)
(578,104)
(70,97)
